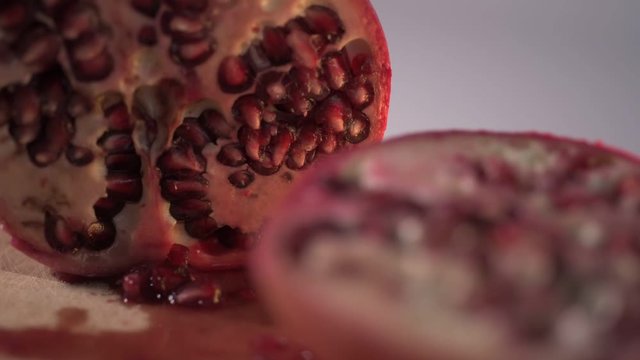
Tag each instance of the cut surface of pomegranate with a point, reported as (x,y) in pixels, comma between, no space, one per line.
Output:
(461,245)
(130,126)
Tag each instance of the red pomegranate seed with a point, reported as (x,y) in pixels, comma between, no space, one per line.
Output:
(184,188)
(360,93)
(358,128)
(334,113)
(26,106)
(235,75)
(94,69)
(232,155)
(38,47)
(201,228)
(146,7)
(241,179)
(100,236)
(116,142)
(274,43)
(50,144)
(123,163)
(77,19)
(248,110)
(147,36)
(178,255)
(124,187)
(192,53)
(190,209)
(324,21)
(106,208)
(256,58)
(117,117)
(191,133)
(215,125)
(198,294)
(181,159)
(336,69)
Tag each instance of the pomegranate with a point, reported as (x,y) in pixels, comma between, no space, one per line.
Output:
(461,245)
(130,126)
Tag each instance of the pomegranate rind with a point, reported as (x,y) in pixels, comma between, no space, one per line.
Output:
(340,327)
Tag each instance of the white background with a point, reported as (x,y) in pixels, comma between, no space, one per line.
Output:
(567,66)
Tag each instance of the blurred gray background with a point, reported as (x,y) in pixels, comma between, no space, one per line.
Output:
(567,66)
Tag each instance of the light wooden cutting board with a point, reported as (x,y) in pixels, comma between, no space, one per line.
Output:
(43,318)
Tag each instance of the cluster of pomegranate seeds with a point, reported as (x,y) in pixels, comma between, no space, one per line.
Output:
(176,281)
(314,107)
(541,236)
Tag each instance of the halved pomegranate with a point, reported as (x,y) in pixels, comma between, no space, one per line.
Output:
(129,126)
(461,246)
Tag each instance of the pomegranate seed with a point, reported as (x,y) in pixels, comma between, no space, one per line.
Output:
(248,110)
(49,145)
(297,104)
(191,133)
(308,82)
(78,105)
(59,235)
(305,52)
(77,19)
(24,134)
(242,179)
(231,155)
(201,228)
(79,156)
(183,27)
(195,6)
(95,69)
(106,208)
(358,128)
(299,159)
(100,236)
(334,113)
(274,43)
(280,146)
(178,255)
(235,75)
(270,88)
(215,125)
(89,46)
(117,117)
(26,106)
(265,166)
(190,209)
(146,7)
(124,163)
(360,93)
(181,159)
(116,142)
(308,138)
(336,68)
(230,238)
(183,189)
(124,187)
(197,294)
(38,47)
(193,53)
(147,36)
(14,14)
(329,143)
(324,21)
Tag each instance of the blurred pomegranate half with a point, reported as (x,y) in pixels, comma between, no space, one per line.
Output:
(461,246)
(129,126)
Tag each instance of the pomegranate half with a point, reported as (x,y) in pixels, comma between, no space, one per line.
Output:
(461,245)
(129,126)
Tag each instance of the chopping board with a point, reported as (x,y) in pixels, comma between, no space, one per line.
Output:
(42,317)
